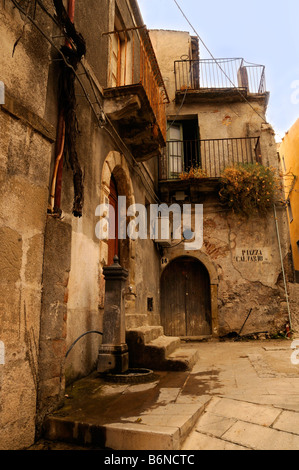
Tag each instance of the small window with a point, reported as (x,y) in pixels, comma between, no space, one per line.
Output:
(150,304)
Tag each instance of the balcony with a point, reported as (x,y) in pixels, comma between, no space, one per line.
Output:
(136,97)
(210,156)
(227,79)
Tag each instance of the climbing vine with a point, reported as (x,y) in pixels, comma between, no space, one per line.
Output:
(250,189)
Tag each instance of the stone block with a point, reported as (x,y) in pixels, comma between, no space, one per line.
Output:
(258,414)
(261,438)
(11,253)
(129,436)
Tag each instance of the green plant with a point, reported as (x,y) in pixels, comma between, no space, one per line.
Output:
(193,173)
(250,188)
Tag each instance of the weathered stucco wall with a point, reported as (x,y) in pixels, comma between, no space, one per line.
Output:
(170,46)
(25,154)
(288,150)
(243,260)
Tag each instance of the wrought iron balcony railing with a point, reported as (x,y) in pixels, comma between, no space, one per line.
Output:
(219,74)
(210,156)
(133,63)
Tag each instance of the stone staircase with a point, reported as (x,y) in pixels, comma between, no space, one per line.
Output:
(150,348)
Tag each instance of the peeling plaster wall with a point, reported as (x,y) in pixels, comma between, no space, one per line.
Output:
(244,254)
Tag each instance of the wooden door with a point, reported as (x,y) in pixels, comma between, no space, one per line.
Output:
(186,299)
(113,223)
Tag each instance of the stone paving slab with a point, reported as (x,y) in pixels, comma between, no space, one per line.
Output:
(287,421)
(202,442)
(244,411)
(260,437)
(214,425)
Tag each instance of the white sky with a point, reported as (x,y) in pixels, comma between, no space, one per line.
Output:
(261,31)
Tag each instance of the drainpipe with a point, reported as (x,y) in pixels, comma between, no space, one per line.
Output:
(282,266)
(71,10)
(58,169)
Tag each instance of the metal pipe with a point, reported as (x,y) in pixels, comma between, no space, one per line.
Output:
(282,266)
(58,167)
(84,334)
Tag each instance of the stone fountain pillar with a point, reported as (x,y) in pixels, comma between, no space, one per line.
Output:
(113,353)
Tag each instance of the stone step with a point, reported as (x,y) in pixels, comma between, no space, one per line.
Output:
(136,321)
(182,359)
(128,417)
(150,348)
(144,334)
(163,346)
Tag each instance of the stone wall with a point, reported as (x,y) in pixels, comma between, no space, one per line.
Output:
(243,260)
(25,153)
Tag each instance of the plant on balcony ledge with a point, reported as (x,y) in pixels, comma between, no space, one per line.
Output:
(250,189)
(193,174)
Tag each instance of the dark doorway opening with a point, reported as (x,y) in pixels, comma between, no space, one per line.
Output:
(186,299)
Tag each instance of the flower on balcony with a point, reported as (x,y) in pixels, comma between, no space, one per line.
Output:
(250,189)
(193,174)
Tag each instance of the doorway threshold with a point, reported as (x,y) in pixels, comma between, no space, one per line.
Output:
(196,339)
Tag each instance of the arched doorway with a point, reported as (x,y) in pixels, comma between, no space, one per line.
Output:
(186,298)
(116,179)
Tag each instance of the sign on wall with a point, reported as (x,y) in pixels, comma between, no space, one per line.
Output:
(253,255)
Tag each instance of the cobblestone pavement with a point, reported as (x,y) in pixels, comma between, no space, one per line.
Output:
(254,391)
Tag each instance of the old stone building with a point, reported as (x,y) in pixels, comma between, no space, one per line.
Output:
(217,119)
(97,108)
(51,260)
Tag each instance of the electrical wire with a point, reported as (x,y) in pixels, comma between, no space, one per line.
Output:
(215,60)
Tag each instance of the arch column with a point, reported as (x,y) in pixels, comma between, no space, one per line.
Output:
(115,164)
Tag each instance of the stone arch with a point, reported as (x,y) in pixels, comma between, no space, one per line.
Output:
(200,256)
(172,255)
(115,164)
